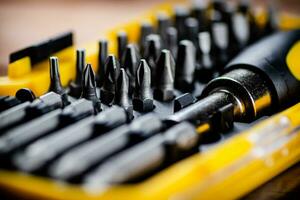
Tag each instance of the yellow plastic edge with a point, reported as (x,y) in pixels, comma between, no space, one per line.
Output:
(293,61)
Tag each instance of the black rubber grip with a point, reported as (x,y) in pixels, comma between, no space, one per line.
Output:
(268,57)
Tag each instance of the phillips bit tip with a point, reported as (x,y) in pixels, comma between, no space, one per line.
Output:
(75,86)
(143,98)
(185,66)
(131,59)
(89,87)
(122,93)
(112,70)
(152,51)
(102,55)
(165,72)
(55,83)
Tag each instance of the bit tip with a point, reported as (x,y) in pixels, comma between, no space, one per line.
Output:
(143,98)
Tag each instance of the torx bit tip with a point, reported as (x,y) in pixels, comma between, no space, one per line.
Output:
(75,86)
(55,83)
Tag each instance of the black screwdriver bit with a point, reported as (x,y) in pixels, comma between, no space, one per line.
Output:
(112,71)
(164,23)
(7,102)
(89,87)
(165,72)
(44,104)
(122,93)
(143,98)
(130,62)
(70,165)
(185,66)
(181,13)
(191,30)
(75,86)
(183,101)
(26,111)
(152,51)
(200,12)
(171,41)
(218,5)
(220,44)
(102,56)
(206,63)
(244,7)
(146,29)
(241,31)
(20,136)
(122,43)
(25,94)
(39,153)
(55,83)
(109,119)
(66,138)
(148,156)
(272,21)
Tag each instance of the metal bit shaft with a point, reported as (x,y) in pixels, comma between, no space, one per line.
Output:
(130,62)
(206,67)
(102,56)
(165,72)
(200,11)
(89,87)
(122,93)
(55,83)
(75,86)
(143,98)
(185,66)
(70,165)
(164,23)
(122,43)
(191,30)
(171,40)
(152,51)
(40,153)
(140,160)
(146,29)
(220,41)
(181,13)
(112,71)
(20,136)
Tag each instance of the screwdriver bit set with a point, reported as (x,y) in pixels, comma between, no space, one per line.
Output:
(170,106)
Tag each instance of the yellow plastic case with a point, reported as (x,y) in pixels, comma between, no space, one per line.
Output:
(214,174)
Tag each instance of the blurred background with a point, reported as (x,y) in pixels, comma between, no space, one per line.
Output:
(23,22)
